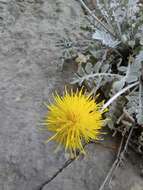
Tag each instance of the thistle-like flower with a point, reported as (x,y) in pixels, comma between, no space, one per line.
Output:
(74,119)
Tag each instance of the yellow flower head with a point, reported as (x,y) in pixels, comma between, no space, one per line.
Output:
(74,119)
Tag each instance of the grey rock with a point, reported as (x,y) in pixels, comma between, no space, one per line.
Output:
(85,173)
(29,73)
(89,173)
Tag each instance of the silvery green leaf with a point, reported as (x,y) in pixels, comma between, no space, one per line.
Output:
(89,68)
(132,72)
(131,43)
(96,53)
(118,85)
(81,71)
(120,14)
(105,38)
(132,78)
(139,57)
(134,68)
(105,67)
(132,8)
(104,7)
(141,41)
(140,110)
(133,103)
(115,111)
(97,67)
(124,38)
(122,69)
(77,79)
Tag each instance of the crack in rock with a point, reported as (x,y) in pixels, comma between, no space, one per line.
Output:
(67,163)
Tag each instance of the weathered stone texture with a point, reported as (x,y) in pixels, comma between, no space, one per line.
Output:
(29,73)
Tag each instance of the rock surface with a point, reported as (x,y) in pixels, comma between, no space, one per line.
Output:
(29,73)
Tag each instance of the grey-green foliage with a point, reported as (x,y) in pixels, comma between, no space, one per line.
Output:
(140,112)
(121,16)
(105,38)
(116,56)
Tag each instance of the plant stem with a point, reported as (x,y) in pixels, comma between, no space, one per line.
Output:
(118,94)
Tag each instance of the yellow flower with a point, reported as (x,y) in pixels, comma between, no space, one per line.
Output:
(74,119)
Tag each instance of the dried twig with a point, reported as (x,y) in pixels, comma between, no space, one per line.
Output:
(113,165)
(119,159)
